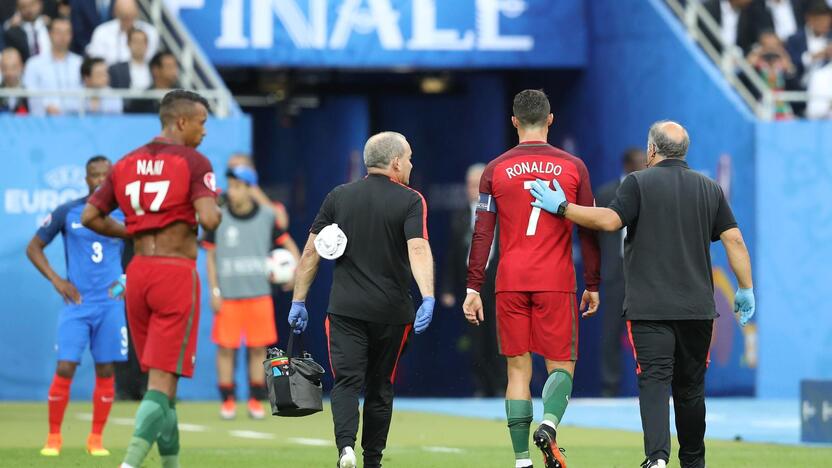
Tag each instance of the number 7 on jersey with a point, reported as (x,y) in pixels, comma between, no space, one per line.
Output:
(534,216)
(134,191)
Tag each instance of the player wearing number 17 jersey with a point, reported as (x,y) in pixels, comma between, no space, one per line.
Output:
(163,188)
(536,307)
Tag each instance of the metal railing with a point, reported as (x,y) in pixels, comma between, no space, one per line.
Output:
(732,63)
(197,72)
(218,99)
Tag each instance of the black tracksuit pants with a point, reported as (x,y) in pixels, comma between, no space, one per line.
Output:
(672,355)
(363,355)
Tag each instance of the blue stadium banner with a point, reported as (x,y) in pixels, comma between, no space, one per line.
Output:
(390,33)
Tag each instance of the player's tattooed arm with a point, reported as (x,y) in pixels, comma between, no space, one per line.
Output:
(96,220)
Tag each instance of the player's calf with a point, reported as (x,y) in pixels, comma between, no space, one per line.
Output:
(58,401)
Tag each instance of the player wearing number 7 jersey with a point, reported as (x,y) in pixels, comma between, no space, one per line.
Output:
(163,188)
(536,310)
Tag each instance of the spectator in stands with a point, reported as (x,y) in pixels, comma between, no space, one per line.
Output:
(27,31)
(740,21)
(134,74)
(11,69)
(787,16)
(811,48)
(57,70)
(165,73)
(820,94)
(86,15)
(774,65)
(109,40)
(95,76)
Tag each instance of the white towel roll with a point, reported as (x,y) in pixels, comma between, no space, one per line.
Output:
(331,242)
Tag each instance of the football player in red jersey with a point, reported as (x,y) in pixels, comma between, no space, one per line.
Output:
(536,302)
(165,188)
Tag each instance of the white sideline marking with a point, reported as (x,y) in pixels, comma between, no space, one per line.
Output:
(252,435)
(119,421)
(443,449)
(184,427)
(311,442)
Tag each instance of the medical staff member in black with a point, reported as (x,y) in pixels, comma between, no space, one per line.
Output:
(672,215)
(370,315)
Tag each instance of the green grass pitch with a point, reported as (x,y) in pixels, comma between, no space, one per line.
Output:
(416,440)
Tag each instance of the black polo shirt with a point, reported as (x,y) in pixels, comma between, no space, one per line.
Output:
(372,279)
(672,215)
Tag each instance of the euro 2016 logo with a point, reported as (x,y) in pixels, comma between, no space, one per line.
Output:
(59,185)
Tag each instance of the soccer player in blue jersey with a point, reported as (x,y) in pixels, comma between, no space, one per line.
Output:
(91,317)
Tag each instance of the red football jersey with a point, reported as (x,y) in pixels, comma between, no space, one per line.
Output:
(535,246)
(156,185)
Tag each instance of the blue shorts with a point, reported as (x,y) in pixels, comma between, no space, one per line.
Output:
(99,325)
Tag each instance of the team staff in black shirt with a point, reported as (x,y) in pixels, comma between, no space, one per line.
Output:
(672,214)
(370,312)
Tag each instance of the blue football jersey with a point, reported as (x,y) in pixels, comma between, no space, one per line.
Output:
(93,261)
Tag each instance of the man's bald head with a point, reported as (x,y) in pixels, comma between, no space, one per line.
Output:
(668,139)
(126,10)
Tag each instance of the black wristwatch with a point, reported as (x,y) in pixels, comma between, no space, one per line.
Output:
(562,208)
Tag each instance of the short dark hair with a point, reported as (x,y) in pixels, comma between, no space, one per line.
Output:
(156,61)
(531,107)
(666,146)
(133,31)
(88,63)
(178,102)
(818,7)
(56,20)
(97,158)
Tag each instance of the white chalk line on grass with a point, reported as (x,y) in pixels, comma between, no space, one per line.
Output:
(436,449)
(311,442)
(184,427)
(252,435)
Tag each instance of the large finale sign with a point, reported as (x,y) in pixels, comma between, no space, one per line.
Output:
(390,33)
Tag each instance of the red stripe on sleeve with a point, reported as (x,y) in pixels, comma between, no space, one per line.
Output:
(280,240)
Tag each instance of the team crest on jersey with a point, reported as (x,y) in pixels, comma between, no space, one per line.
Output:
(210,181)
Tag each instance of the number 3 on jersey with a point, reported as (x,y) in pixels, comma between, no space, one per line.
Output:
(134,191)
(535,214)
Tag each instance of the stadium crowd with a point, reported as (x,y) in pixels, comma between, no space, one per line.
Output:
(71,45)
(788,42)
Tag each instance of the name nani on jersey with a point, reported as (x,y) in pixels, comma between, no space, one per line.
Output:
(153,168)
(535,167)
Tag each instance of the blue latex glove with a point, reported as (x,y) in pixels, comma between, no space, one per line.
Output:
(298,317)
(424,314)
(744,305)
(545,197)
